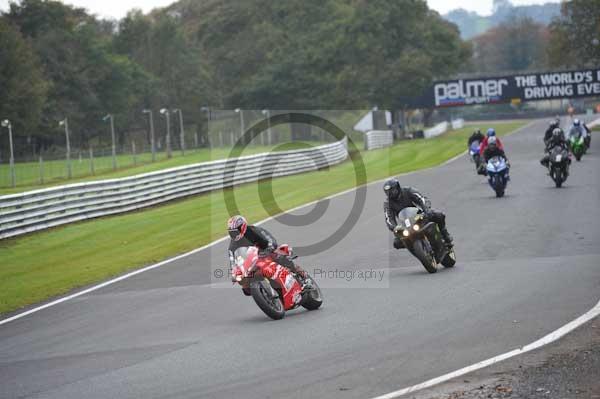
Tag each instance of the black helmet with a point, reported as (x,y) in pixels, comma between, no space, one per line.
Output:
(391,188)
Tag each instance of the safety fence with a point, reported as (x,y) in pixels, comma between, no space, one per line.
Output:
(443,127)
(378,139)
(41,209)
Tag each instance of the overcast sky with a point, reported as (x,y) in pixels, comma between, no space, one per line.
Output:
(118,8)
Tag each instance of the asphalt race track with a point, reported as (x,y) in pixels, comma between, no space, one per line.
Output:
(527,264)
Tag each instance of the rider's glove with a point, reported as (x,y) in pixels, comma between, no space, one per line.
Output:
(427,213)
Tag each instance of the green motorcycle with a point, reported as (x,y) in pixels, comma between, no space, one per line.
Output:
(577,145)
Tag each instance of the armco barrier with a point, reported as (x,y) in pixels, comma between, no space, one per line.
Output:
(41,209)
(435,131)
(458,124)
(378,139)
(443,127)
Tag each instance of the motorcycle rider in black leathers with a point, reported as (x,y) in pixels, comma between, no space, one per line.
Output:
(476,136)
(557,139)
(244,235)
(399,198)
(554,124)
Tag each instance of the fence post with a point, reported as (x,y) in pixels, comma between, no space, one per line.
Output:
(13,176)
(133,150)
(196,139)
(221,139)
(41,170)
(92,161)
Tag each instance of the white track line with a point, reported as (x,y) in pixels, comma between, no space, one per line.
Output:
(167,261)
(553,336)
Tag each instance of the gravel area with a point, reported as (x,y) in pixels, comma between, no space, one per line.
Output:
(567,369)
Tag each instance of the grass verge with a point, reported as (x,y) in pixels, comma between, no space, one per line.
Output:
(46,264)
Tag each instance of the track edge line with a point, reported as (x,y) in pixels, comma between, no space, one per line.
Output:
(545,340)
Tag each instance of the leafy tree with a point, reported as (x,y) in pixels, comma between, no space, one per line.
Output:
(87,81)
(517,45)
(175,74)
(575,35)
(24,88)
(257,53)
(472,24)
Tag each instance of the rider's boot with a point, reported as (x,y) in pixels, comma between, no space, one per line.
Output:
(302,276)
(446,236)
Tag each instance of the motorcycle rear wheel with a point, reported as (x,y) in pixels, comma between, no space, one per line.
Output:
(450,259)
(425,257)
(314,298)
(273,307)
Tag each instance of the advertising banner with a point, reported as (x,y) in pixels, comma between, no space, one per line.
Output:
(515,88)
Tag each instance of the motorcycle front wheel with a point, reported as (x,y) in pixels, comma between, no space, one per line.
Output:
(424,254)
(498,186)
(557,175)
(262,294)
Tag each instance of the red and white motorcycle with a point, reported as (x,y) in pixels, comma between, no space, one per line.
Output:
(275,288)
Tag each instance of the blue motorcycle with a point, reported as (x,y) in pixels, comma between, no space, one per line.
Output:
(475,156)
(497,172)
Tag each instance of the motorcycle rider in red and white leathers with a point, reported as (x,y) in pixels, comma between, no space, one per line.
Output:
(494,150)
(398,198)
(491,132)
(244,235)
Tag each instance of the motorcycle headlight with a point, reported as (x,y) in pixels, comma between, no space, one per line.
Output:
(405,233)
(416,227)
(239,278)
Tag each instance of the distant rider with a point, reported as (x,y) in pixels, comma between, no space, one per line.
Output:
(476,136)
(491,132)
(556,140)
(244,235)
(398,198)
(554,124)
(587,139)
(578,129)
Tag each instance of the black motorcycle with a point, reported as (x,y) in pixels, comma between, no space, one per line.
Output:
(558,165)
(423,239)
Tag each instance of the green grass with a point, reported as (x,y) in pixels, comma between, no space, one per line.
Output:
(46,264)
(28,174)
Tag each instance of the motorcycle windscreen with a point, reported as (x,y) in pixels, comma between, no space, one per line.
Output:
(240,255)
(406,217)
(496,164)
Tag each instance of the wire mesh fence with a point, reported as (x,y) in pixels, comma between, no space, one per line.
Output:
(40,167)
(35,167)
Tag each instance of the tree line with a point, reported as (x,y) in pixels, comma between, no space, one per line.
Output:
(60,61)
